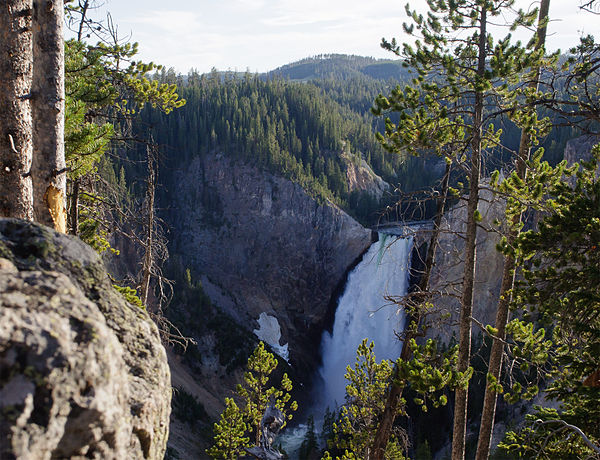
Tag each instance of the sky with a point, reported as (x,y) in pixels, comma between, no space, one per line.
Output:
(261,35)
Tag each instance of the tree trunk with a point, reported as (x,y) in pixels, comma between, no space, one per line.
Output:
(384,429)
(74,208)
(16,192)
(508,275)
(466,310)
(148,256)
(48,109)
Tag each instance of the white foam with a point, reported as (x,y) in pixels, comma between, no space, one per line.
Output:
(363,312)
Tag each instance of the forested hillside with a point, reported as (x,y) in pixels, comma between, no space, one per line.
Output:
(308,132)
(308,121)
(341,67)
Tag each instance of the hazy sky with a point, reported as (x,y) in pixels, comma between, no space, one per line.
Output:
(261,35)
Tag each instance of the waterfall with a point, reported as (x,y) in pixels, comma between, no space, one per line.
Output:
(363,312)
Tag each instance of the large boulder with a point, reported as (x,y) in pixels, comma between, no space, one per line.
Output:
(83,373)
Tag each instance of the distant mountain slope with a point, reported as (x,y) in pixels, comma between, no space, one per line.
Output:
(341,67)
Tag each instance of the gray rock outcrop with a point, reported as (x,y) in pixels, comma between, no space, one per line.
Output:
(580,148)
(447,275)
(361,177)
(82,372)
(264,246)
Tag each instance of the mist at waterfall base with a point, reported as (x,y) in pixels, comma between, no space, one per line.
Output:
(362,312)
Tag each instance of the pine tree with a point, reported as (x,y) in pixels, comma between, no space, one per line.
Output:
(416,310)
(105,87)
(309,443)
(513,215)
(561,290)
(253,395)
(461,80)
(429,373)
(255,392)
(365,397)
(229,433)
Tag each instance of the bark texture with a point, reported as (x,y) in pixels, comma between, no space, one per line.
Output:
(466,310)
(48,108)
(16,195)
(508,275)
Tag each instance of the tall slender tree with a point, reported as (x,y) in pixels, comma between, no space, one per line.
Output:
(16,192)
(466,310)
(49,171)
(464,82)
(514,213)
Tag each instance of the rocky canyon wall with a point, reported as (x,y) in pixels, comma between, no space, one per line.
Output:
(447,275)
(263,247)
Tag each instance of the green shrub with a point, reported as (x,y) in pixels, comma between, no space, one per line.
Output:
(130,295)
(187,408)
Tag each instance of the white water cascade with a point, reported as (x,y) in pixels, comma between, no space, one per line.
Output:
(363,312)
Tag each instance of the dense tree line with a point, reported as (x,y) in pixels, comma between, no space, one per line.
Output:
(307,121)
(297,130)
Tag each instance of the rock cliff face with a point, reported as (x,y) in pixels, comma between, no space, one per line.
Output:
(361,177)
(446,279)
(580,148)
(82,372)
(263,246)
(447,276)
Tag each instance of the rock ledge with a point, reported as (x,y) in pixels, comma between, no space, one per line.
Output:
(82,372)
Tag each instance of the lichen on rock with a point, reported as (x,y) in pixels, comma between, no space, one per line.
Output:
(82,372)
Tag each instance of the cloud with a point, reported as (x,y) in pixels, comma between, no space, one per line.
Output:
(263,34)
(171,21)
(249,5)
(291,21)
